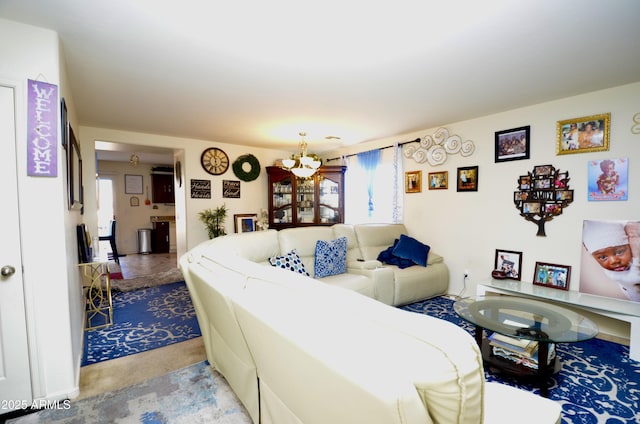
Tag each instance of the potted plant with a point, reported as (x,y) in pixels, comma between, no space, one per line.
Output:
(214,220)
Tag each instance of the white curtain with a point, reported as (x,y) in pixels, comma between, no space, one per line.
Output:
(388,183)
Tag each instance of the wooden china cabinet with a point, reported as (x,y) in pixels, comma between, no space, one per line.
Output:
(297,202)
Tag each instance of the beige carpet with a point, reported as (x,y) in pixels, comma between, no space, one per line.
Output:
(152,280)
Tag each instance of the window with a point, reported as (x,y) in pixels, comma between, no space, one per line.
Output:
(387,190)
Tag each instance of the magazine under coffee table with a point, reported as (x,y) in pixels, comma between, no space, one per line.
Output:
(524,319)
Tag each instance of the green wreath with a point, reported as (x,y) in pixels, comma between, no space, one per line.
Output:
(238,169)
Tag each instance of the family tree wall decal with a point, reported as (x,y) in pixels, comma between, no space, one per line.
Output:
(542,195)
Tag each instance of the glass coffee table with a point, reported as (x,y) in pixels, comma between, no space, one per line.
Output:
(524,319)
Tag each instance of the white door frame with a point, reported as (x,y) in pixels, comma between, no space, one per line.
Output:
(15,370)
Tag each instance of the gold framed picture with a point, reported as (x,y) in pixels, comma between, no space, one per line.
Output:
(439,180)
(413,182)
(581,135)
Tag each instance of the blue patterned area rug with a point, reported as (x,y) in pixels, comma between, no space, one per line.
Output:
(195,394)
(143,320)
(597,382)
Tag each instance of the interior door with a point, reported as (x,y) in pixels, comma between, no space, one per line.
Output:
(15,377)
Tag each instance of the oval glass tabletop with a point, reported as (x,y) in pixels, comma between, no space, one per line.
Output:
(526,318)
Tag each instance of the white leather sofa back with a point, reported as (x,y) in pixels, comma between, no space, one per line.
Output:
(304,239)
(297,350)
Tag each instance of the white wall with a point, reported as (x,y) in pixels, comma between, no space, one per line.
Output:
(467,228)
(47,228)
(190,230)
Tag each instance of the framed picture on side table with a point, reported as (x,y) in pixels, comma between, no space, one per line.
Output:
(509,262)
(552,275)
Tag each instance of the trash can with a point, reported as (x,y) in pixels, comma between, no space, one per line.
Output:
(144,241)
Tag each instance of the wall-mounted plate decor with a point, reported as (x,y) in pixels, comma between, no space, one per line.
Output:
(435,149)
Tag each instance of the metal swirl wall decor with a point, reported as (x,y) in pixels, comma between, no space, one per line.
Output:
(435,149)
(635,128)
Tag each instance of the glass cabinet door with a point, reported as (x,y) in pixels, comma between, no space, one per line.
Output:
(282,201)
(305,201)
(329,201)
(299,202)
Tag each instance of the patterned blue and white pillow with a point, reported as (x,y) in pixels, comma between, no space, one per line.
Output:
(290,261)
(331,257)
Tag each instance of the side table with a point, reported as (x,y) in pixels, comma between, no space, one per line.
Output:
(99,306)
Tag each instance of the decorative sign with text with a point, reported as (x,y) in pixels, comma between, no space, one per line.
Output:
(201,189)
(42,129)
(231,188)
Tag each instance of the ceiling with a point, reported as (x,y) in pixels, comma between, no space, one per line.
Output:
(257,73)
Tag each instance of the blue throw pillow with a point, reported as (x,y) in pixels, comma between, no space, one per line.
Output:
(331,257)
(387,257)
(290,261)
(412,249)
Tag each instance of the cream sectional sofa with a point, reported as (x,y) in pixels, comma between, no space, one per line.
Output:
(365,274)
(300,350)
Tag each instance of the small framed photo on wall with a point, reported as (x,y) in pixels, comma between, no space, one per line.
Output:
(438,180)
(468,178)
(513,144)
(609,179)
(413,182)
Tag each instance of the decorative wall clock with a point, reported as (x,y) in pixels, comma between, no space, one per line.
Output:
(215,161)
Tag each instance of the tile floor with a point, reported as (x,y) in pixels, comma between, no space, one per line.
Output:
(121,372)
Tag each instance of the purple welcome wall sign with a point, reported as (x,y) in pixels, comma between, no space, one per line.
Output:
(42,129)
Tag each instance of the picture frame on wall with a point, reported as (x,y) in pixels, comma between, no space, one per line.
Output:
(552,275)
(608,179)
(133,184)
(413,182)
(510,263)
(581,135)
(245,222)
(467,178)
(438,180)
(75,189)
(513,144)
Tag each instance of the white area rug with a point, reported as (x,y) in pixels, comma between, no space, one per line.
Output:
(195,394)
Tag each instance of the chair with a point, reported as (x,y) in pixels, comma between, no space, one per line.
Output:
(112,240)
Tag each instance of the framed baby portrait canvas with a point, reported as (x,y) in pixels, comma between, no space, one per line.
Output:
(609,264)
(608,179)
